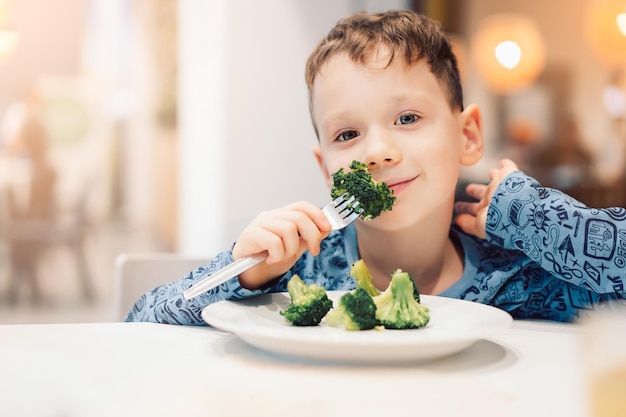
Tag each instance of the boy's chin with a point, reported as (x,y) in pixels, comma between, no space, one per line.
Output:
(398,221)
(387,221)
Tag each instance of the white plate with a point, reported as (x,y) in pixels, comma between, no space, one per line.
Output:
(454,325)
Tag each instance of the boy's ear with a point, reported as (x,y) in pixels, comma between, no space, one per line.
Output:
(471,135)
(317,152)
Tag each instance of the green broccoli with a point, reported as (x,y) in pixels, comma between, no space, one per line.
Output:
(309,303)
(373,197)
(416,293)
(363,277)
(396,307)
(356,311)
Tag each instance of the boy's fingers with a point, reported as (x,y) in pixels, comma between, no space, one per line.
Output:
(314,213)
(506,167)
(466,207)
(469,224)
(476,191)
(507,163)
(466,222)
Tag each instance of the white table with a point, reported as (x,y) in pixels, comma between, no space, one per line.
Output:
(143,369)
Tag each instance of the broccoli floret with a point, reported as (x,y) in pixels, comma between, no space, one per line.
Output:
(373,197)
(416,293)
(396,307)
(309,303)
(363,277)
(355,311)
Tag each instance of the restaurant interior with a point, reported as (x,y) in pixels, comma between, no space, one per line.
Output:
(121,123)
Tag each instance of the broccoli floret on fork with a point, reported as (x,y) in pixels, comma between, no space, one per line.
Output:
(373,197)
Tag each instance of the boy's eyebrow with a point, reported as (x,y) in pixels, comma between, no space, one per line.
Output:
(334,118)
(398,98)
(412,96)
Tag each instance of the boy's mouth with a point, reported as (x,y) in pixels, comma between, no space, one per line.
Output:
(397,185)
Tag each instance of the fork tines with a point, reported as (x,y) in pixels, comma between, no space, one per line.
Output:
(347,208)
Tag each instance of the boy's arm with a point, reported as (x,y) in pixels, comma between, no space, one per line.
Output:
(165,304)
(583,246)
(284,233)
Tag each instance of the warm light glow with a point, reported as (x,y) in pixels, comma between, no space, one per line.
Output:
(508,51)
(621,23)
(614,100)
(8,41)
(8,37)
(606,31)
(508,54)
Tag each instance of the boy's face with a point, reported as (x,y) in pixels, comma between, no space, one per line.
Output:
(399,122)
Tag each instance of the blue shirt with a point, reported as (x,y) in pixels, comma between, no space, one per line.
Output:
(546,256)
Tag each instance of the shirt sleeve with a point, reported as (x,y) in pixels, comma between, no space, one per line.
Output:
(331,269)
(166,304)
(583,246)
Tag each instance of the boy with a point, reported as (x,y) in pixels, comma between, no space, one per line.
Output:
(384,89)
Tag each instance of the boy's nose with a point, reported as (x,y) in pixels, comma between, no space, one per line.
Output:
(381,149)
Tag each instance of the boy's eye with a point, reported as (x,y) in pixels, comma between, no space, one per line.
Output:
(406,119)
(347,135)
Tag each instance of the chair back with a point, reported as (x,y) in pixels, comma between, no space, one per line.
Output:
(138,273)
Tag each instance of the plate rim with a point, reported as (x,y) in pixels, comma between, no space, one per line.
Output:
(258,335)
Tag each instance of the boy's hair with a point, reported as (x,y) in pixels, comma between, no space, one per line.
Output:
(405,34)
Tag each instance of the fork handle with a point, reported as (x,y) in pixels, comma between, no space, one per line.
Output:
(223,275)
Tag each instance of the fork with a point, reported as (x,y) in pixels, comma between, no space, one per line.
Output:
(340,212)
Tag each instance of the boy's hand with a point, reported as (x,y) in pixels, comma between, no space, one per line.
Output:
(283,233)
(472,217)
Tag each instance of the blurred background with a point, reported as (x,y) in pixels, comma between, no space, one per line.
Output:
(166,125)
